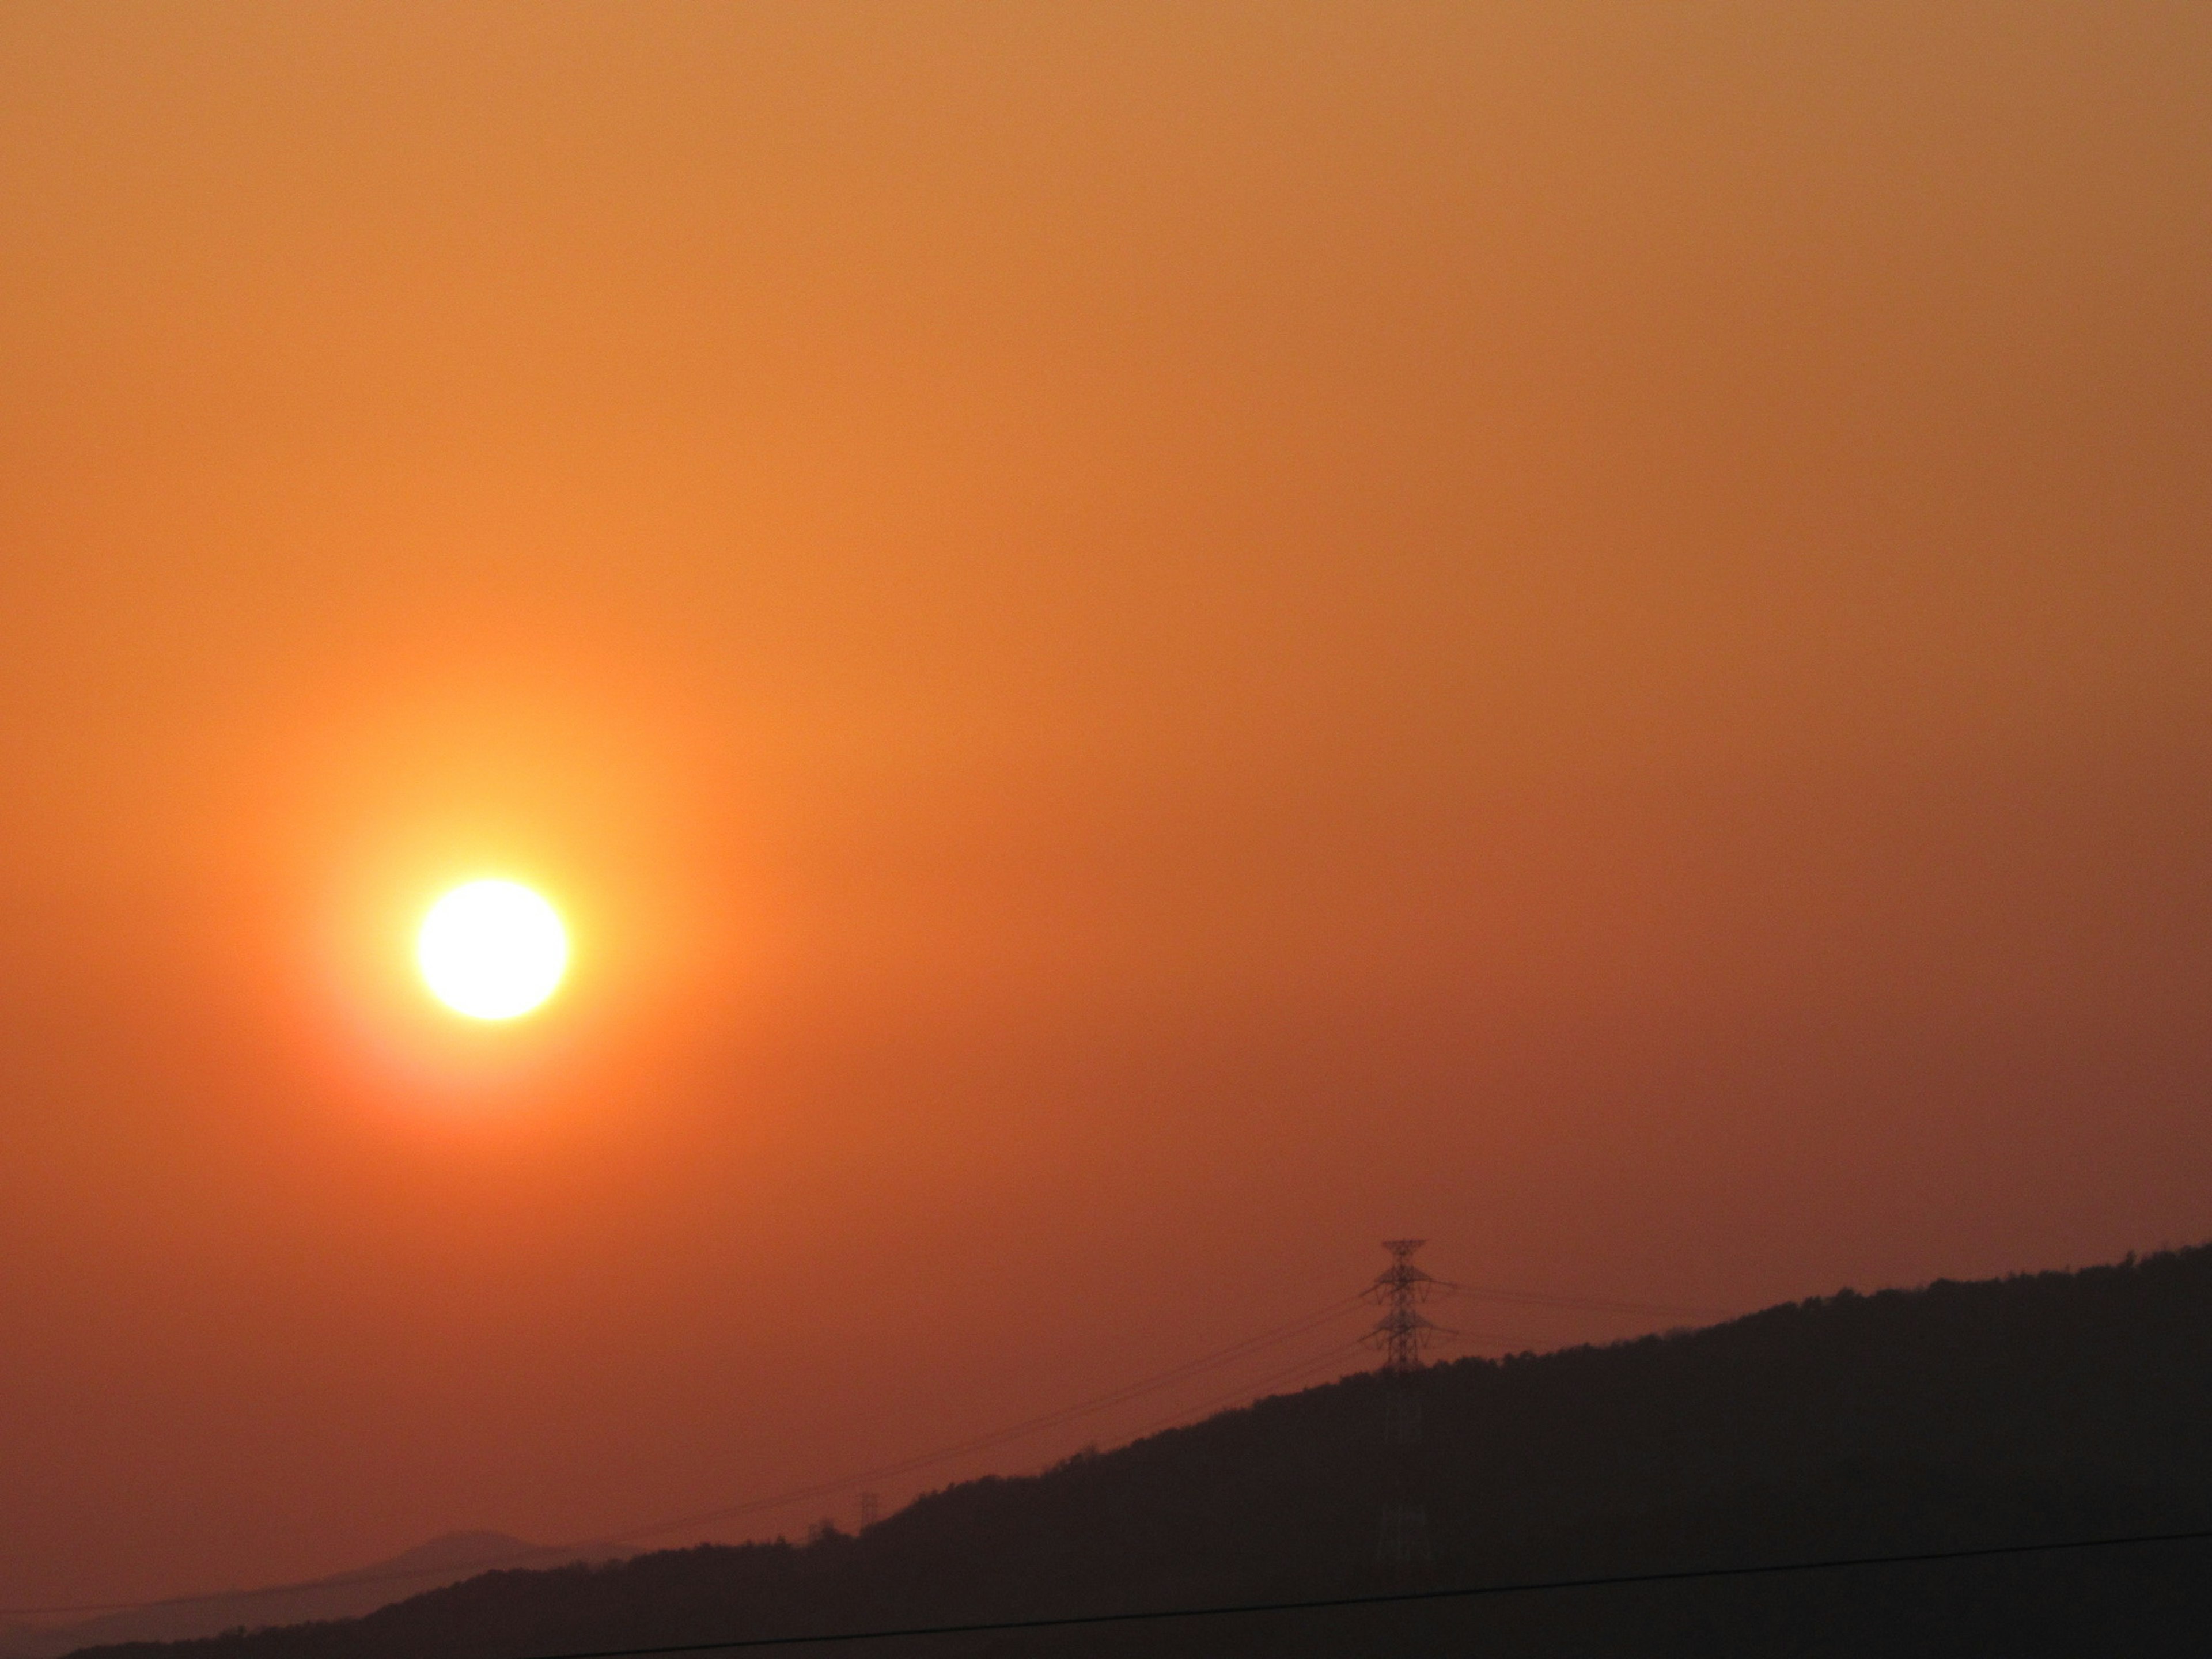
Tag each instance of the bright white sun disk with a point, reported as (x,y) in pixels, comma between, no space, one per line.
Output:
(492,949)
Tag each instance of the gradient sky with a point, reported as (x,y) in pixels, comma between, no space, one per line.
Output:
(1147,642)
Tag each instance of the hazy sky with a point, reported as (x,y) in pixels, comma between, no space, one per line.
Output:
(1146,642)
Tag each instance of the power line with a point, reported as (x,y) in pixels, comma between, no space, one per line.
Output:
(1584,1304)
(1290,1374)
(552,1552)
(998,1436)
(1251,1390)
(301,1586)
(1466,1592)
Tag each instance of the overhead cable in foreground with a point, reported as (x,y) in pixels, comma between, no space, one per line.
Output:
(1399,1598)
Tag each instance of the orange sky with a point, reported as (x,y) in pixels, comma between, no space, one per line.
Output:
(1146,642)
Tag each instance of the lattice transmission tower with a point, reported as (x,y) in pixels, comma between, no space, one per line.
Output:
(1402,1333)
(1401,1536)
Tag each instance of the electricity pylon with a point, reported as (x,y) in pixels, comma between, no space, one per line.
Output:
(1401,1538)
(1401,1333)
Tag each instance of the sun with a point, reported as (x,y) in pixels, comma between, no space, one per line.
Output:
(492,949)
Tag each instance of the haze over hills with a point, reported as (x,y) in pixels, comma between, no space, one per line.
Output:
(1135,643)
(443,1560)
(2041,1407)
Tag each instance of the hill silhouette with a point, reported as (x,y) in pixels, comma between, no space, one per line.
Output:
(443,1560)
(2035,1407)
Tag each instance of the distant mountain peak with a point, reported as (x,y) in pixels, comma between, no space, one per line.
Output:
(442,1560)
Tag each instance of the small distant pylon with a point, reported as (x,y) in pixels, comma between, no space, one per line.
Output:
(871,1510)
(1402,1333)
(1402,1550)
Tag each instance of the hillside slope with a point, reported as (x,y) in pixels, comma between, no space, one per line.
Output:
(442,1561)
(2041,1406)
